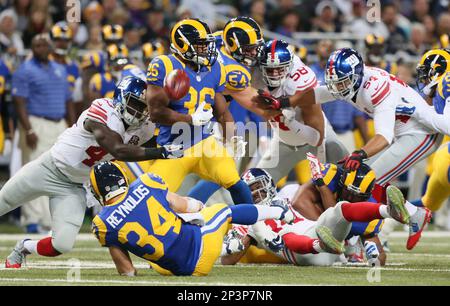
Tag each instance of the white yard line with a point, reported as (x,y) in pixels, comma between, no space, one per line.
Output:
(137,282)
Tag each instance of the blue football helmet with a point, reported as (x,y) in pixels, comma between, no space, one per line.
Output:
(276,62)
(344,73)
(261,185)
(129,98)
(107,181)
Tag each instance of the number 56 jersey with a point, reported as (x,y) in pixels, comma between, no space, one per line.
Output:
(77,150)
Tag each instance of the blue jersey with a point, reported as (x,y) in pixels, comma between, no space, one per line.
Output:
(5,76)
(73,73)
(144,224)
(103,83)
(204,86)
(332,175)
(443,92)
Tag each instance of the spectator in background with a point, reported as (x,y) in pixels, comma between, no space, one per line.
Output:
(138,11)
(94,41)
(284,7)
(358,23)
(397,38)
(430,28)
(156,25)
(421,9)
(326,17)
(290,24)
(132,37)
(118,16)
(258,12)
(10,41)
(183,12)
(93,14)
(42,101)
(443,24)
(417,46)
(22,10)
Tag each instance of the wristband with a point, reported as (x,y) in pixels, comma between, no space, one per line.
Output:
(284,102)
(319,182)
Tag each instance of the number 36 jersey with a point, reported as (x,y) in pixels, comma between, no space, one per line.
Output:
(77,150)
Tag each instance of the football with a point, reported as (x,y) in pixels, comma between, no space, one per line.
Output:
(177,84)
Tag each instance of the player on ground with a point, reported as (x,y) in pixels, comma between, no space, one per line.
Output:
(187,119)
(299,241)
(108,129)
(400,141)
(151,222)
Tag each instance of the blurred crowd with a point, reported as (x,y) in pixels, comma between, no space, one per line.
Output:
(116,35)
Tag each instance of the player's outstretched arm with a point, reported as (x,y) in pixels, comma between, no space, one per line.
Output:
(113,144)
(122,260)
(307,201)
(246,98)
(158,101)
(232,259)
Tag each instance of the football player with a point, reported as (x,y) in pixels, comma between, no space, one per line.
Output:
(400,141)
(433,72)
(305,241)
(173,233)
(187,120)
(286,75)
(109,129)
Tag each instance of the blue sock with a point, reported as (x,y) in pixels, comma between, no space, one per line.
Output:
(417,203)
(245,214)
(203,190)
(240,192)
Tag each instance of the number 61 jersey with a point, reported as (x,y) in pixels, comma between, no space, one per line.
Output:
(77,150)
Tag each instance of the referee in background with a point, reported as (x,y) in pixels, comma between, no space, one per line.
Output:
(43,104)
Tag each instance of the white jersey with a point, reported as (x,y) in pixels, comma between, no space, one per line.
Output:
(378,96)
(77,150)
(300,78)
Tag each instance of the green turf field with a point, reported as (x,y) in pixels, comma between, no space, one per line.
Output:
(428,264)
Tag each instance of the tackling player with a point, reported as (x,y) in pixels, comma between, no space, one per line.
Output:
(433,72)
(151,222)
(400,141)
(109,129)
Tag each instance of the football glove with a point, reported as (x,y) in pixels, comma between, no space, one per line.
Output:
(275,103)
(372,253)
(201,116)
(353,161)
(233,242)
(316,169)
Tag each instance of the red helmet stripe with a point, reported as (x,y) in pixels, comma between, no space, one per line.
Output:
(274,44)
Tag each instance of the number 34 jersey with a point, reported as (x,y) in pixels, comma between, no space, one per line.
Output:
(77,150)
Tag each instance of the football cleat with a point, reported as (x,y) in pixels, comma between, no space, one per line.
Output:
(17,256)
(416,225)
(396,205)
(287,215)
(331,244)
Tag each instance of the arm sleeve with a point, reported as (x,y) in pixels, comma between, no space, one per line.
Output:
(384,119)
(304,132)
(323,95)
(427,116)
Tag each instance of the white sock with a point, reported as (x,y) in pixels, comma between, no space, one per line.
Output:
(268,212)
(384,212)
(31,246)
(411,208)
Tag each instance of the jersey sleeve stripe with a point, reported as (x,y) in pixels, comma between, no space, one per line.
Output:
(380,97)
(98,111)
(381,89)
(93,116)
